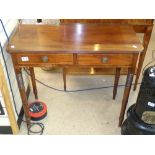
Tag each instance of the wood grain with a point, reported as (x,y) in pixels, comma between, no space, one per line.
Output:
(139,25)
(113,60)
(75,38)
(38,59)
(75,45)
(146,40)
(112,21)
(144,26)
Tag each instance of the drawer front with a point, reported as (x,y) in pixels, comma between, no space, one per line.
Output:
(64,59)
(105,59)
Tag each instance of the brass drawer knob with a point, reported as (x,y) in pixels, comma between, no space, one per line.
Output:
(104,60)
(45,58)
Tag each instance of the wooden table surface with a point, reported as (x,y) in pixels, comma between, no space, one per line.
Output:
(75,38)
(75,45)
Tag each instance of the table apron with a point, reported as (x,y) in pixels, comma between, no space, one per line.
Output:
(74,60)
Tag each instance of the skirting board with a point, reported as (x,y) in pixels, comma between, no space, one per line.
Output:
(7,129)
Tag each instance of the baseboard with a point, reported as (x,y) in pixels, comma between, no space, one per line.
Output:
(21,113)
(6,130)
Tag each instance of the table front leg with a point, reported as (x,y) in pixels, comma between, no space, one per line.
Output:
(22,94)
(32,74)
(126,94)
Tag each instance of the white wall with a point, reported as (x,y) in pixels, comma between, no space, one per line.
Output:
(10,25)
(4,120)
(44,21)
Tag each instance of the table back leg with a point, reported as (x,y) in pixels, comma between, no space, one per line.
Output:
(32,74)
(117,76)
(64,78)
(146,40)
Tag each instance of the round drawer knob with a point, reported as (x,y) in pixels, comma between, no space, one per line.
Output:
(45,58)
(104,60)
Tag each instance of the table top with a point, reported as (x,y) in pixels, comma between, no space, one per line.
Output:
(75,38)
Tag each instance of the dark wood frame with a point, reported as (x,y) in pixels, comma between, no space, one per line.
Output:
(143,26)
(125,56)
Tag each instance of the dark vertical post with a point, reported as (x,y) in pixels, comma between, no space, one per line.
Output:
(32,74)
(23,94)
(146,40)
(64,78)
(117,76)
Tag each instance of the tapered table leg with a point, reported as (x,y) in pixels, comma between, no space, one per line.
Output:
(146,40)
(64,78)
(32,74)
(117,76)
(126,95)
(22,94)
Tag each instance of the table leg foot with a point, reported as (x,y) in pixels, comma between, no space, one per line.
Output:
(120,121)
(126,95)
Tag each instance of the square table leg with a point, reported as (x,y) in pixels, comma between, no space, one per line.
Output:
(64,78)
(32,75)
(126,94)
(146,40)
(23,94)
(117,76)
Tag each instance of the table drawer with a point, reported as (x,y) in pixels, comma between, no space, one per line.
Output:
(105,59)
(64,59)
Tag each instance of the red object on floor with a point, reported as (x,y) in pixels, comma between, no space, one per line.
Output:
(37,110)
